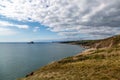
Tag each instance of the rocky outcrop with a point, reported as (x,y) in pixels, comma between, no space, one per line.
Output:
(30,74)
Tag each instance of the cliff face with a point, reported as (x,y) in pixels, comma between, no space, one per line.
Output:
(102,62)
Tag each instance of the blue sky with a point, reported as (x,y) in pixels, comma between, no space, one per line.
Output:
(35,32)
(41,20)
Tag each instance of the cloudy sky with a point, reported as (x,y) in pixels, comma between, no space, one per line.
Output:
(27,20)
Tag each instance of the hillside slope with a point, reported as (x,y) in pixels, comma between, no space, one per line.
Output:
(101,63)
(102,43)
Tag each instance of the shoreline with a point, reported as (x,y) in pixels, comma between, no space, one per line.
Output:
(78,66)
(98,58)
(33,72)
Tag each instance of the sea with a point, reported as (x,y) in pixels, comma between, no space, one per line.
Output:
(19,59)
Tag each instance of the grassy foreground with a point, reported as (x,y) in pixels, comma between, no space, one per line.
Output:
(93,64)
(101,62)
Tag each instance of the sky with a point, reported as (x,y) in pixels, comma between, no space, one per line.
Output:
(42,20)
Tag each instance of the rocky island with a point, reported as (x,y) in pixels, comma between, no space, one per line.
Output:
(31,42)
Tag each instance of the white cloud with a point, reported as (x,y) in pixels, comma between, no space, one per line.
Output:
(93,12)
(99,18)
(7,28)
(21,26)
(6,32)
(8,24)
(36,29)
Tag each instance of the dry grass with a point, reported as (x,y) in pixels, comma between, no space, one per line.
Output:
(99,64)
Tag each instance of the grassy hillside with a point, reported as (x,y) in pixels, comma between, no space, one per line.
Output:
(102,43)
(101,63)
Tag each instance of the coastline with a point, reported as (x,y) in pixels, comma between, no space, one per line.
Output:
(91,64)
(33,72)
(101,60)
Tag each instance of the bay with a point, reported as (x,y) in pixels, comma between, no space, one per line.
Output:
(17,60)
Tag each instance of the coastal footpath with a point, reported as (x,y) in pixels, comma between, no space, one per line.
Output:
(100,62)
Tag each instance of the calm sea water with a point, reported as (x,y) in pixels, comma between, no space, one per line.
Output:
(17,60)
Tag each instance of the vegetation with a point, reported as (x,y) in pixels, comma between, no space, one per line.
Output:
(102,43)
(94,64)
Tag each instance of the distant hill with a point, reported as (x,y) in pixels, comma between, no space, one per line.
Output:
(102,43)
(100,62)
